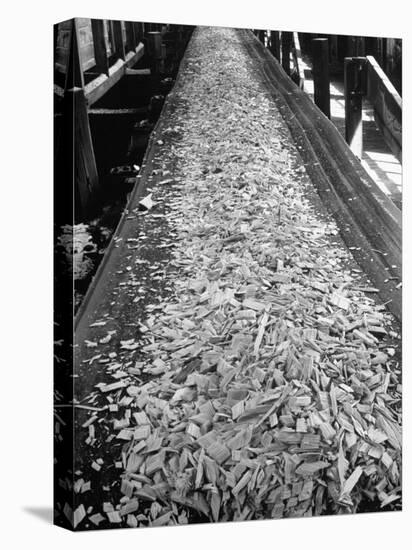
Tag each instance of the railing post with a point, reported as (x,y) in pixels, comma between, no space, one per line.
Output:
(320,72)
(275,44)
(354,90)
(100,48)
(131,37)
(118,40)
(286,49)
(154,49)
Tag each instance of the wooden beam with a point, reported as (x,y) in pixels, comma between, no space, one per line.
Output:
(353,103)
(320,72)
(95,89)
(118,40)
(100,47)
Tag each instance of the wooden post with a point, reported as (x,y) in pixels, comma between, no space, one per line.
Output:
(287,38)
(370,46)
(85,177)
(118,40)
(131,40)
(74,73)
(275,44)
(321,74)
(390,61)
(78,165)
(333,48)
(355,46)
(360,42)
(350,46)
(100,49)
(379,55)
(261,36)
(137,32)
(154,50)
(154,44)
(354,89)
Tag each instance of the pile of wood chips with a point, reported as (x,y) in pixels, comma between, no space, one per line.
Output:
(268,386)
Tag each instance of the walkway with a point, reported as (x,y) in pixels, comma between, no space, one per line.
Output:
(378,160)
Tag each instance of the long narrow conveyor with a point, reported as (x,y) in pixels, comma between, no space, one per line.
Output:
(231,361)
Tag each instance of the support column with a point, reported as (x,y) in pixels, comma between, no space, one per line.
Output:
(275,44)
(320,72)
(354,89)
(287,38)
(154,50)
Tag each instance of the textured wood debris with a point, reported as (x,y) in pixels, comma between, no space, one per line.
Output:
(268,384)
